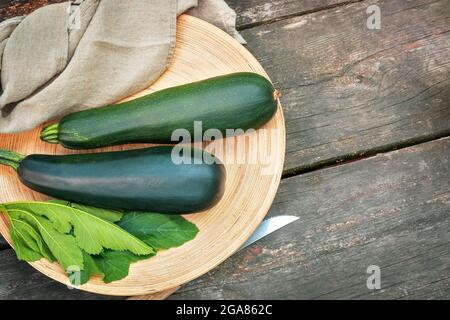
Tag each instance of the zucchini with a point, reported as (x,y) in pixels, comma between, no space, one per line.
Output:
(136,180)
(234,101)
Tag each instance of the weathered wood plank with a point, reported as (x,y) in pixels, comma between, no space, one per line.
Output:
(391,210)
(255,12)
(20,281)
(3,243)
(348,90)
(249,12)
(14,8)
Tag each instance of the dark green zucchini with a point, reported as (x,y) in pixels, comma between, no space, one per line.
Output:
(136,180)
(235,101)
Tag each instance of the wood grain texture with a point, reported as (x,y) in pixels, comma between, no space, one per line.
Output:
(349,91)
(202,51)
(14,8)
(256,12)
(3,243)
(156,296)
(19,281)
(346,91)
(391,210)
(249,12)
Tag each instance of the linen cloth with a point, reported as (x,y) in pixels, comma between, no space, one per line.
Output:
(85,54)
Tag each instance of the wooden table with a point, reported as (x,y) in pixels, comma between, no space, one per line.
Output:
(368,156)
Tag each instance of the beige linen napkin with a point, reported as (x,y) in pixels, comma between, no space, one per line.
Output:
(89,53)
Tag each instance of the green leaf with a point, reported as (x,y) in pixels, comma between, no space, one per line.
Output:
(92,233)
(62,246)
(59,221)
(76,236)
(26,237)
(91,268)
(108,215)
(111,265)
(161,231)
(23,242)
(23,252)
(116,264)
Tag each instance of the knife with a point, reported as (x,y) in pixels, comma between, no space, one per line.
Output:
(267,227)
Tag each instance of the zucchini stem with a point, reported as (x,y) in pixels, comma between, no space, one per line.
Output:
(50,133)
(276,95)
(11,159)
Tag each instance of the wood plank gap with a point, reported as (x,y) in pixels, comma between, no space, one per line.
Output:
(339,161)
(296,14)
(363,154)
(3,244)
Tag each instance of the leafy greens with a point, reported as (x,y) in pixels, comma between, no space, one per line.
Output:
(88,241)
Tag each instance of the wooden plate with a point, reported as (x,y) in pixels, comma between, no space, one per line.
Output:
(202,51)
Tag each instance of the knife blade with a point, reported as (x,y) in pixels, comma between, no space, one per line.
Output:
(267,227)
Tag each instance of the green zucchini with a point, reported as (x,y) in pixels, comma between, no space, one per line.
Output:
(235,101)
(136,180)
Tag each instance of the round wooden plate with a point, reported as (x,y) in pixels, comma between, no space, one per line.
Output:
(202,51)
